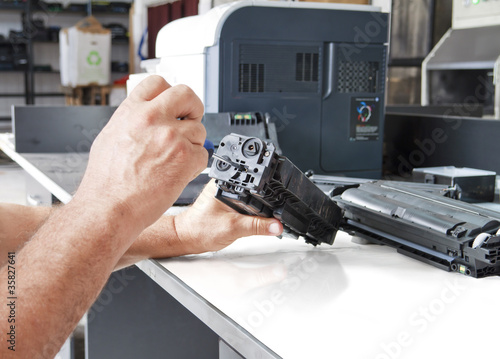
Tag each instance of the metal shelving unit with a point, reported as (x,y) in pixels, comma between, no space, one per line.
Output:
(26,9)
(7,5)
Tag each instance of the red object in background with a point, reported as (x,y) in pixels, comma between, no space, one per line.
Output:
(121,80)
(159,16)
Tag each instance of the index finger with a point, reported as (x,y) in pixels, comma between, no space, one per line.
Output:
(149,88)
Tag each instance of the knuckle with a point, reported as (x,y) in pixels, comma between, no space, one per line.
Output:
(182,155)
(148,89)
(198,159)
(137,115)
(201,132)
(148,118)
(203,159)
(155,80)
(172,135)
(184,90)
(184,148)
(187,92)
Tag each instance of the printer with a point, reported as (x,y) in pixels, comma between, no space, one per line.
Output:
(317,70)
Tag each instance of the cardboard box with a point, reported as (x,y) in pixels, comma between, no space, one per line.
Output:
(85,54)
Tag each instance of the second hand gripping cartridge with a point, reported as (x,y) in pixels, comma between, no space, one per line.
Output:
(253,179)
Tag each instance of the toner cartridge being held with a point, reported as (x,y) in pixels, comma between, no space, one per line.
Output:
(253,179)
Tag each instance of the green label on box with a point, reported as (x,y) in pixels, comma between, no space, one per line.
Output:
(94,58)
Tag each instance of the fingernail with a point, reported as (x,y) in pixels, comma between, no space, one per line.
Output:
(274,228)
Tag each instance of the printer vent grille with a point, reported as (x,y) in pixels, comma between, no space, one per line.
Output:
(251,78)
(276,68)
(357,76)
(306,66)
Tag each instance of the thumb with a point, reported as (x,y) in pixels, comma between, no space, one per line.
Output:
(253,225)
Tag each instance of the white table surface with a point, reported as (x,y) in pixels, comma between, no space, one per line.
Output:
(345,300)
(267,296)
(59,173)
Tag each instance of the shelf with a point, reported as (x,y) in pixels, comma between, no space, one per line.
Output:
(12,6)
(49,94)
(18,42)
(47,72)
(32,9)
(35,71)
(46,94)
(120,42)
(11,95)
(79,9)
(55,72)
(408,62)
(59,72)
(6,41)
(45,42)
(113,42)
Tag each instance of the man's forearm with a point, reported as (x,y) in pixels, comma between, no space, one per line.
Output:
(60,272)
(138,165)
(159,240)
(17,225)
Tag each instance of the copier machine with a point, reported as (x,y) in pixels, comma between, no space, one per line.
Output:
(317,71)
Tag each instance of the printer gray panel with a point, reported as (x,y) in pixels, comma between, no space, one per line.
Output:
(299,24)
(307,124)
(283,67)
(353,115)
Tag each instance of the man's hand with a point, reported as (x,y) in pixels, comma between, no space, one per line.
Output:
(210,225)
(145,156)
(138,166)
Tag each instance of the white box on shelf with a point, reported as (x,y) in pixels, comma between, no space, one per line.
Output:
(85,54)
